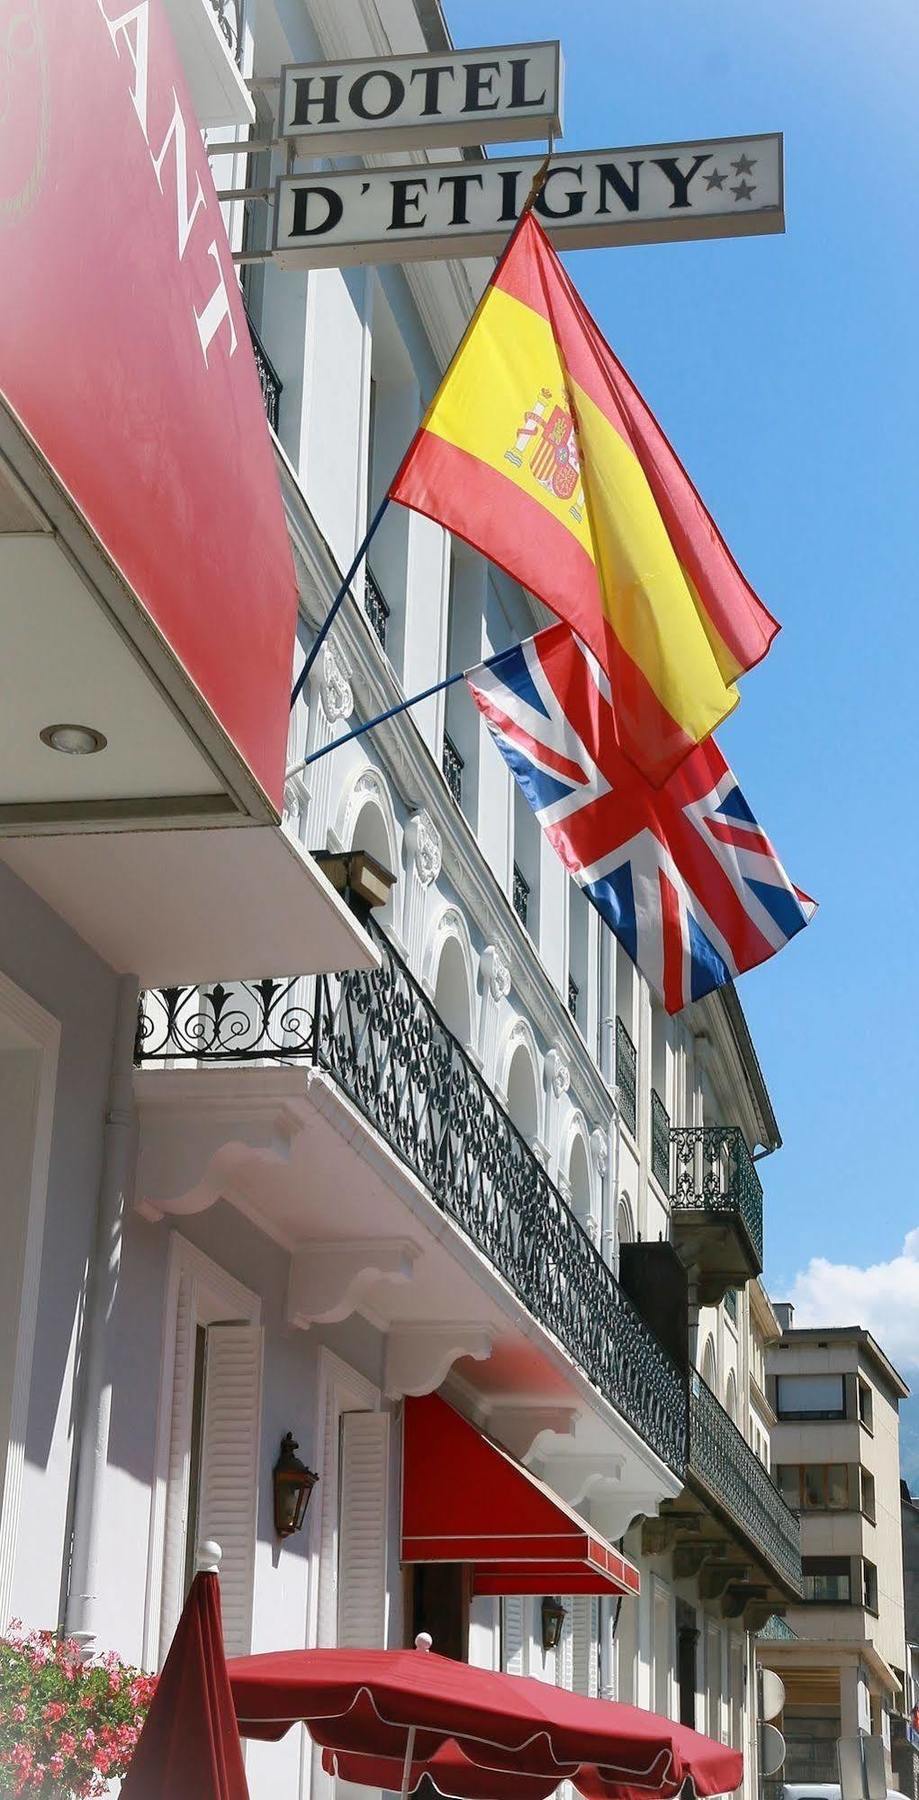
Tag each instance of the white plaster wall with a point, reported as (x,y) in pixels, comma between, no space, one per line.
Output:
(55,968)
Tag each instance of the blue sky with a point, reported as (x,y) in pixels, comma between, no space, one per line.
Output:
(784,369)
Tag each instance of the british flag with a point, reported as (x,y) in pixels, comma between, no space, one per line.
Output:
(683,874)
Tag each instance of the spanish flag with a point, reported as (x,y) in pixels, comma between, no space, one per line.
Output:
(539,451)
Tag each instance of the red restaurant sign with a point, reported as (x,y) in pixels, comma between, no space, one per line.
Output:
(125,353)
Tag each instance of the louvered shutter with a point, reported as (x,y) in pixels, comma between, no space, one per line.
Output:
(564,1659)
(229,1470)
(176,1508)
(363,1491)
(512,1635)
(584,1631)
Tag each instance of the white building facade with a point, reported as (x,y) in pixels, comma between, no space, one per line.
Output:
(492,1170)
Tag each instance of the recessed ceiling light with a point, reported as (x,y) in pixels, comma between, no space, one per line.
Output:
(73,740)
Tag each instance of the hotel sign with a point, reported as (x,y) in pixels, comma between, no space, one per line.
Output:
(649,194)
(456,98)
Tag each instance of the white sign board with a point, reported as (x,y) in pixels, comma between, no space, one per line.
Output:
(650,194)
(772,1689)
(771,1750)
(458,97)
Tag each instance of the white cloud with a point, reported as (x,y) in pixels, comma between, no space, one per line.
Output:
(884,1298)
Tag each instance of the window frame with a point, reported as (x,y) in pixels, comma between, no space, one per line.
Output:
(808,1414)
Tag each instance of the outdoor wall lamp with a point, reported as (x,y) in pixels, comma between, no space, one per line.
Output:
(362,881)
(553,1618)
(293,1485)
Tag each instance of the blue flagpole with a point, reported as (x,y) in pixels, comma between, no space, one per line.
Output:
(380,719)
(325,627)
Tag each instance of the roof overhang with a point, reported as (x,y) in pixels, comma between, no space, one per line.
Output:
(467,1500)
(808,1653)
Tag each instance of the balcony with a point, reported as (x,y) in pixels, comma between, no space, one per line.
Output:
(626,1077)
(268,378)
(660,1140)
(716,1208)
(453,765)
(730,1530)
(376,608)
(389,1053)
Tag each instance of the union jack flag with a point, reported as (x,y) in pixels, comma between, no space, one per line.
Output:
(683,874)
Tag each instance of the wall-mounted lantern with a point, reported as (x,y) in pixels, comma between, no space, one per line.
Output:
(553,1618)
(293,1485)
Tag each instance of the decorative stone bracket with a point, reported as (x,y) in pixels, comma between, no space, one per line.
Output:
(329,1281)
(419,1356)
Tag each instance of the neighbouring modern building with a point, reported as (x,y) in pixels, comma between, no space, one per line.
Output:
(905,1731)
(835,1452)
(415,1170)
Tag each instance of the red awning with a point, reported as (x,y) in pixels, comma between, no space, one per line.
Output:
(464,1499)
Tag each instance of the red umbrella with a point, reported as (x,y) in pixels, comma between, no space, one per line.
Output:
(405,1707)
(448,1770)
(189,1747)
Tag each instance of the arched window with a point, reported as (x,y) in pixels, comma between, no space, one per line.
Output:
(625,1226)
(522,1094)
(451,991)
(579,1182)
(709,1366)
(730,1397)
(370,834)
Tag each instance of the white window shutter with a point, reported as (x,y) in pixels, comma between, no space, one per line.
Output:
(584,1632)
(176,1507)
(363,1491)
(513,1628)
(229,1470)
(564,1670)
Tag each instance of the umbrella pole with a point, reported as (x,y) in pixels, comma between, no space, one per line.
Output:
(407,1764)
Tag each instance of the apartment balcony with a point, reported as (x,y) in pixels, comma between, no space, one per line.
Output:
(375,1050)
(716,1208)
(730,1529)
(268,378)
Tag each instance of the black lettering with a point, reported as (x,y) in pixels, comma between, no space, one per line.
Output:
(402,200)
(327,98)
(302,198)
(612,177)
(431,107)
(509,180)
(459,184)
(678,181)
(519,95)
(477,83)
(358,90)
(575,198)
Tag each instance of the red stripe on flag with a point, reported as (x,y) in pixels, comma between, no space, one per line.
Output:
(453,487)
(540,752)
(671,927)
(741,837)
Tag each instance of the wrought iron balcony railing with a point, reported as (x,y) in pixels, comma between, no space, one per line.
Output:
(228,19)
(660,1140)
(626,1077)
(574,995)
(453,766)
(721,1460)
(268,378)
(385,1046)
(375,607)
(521,895)
(715,1173)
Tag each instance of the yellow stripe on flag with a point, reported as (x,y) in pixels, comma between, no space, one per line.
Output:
(494,404)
